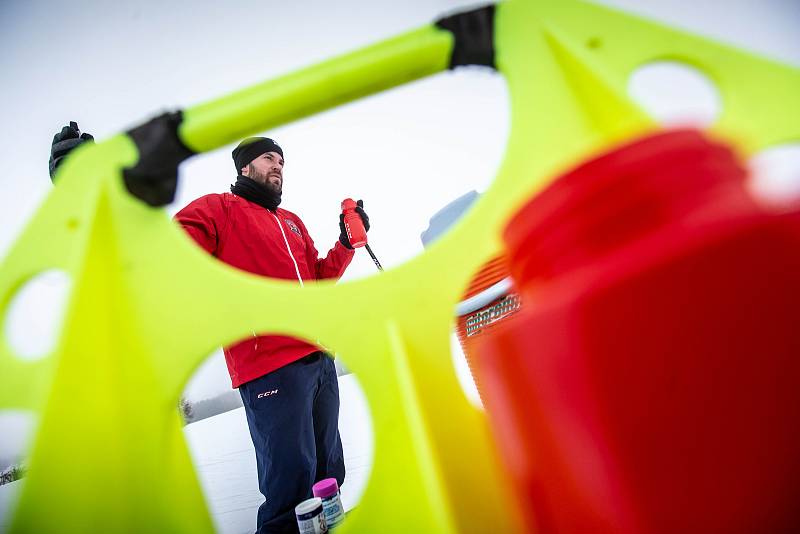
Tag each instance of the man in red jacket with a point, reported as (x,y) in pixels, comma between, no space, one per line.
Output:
(289,387)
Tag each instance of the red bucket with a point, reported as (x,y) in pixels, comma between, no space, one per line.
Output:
(652,381)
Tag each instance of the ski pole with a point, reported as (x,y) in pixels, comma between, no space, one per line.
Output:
(374,258)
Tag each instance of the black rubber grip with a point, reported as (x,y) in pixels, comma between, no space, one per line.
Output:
(474,36)
(154,178)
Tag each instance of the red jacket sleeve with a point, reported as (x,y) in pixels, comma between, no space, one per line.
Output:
(333,265)
(204,220)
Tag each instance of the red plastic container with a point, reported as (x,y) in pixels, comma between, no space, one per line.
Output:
(354,226)
(651,383)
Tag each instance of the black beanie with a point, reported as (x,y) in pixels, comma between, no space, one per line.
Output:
(251,148)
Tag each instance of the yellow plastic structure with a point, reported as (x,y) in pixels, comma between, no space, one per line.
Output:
(147,305)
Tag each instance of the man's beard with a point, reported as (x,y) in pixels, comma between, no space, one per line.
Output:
(277,189)
(263,179)
(256,192)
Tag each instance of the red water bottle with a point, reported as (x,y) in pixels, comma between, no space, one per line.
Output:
(651,383)
(356,233)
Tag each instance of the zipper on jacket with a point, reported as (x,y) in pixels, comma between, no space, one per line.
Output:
(289,249)
(296,268)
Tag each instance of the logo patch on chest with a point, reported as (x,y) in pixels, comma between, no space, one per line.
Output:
(293,227)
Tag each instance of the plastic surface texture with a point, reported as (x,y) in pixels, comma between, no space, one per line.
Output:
(109,448)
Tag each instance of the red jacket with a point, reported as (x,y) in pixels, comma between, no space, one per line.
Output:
(251,238)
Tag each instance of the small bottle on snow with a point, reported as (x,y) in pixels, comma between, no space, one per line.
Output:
(328,490)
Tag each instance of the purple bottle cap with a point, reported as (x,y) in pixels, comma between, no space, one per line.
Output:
(325,488)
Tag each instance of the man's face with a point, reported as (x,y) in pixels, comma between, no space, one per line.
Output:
(266,169)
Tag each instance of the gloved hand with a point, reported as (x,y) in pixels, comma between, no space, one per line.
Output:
(65,142)
(343,231)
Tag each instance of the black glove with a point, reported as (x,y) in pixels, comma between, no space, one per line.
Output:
(65,142)
(343,231)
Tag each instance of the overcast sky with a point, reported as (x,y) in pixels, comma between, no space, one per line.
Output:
(406,152)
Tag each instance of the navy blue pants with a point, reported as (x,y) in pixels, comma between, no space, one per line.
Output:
(293,415)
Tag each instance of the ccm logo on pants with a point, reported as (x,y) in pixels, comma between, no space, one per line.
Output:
(266,394)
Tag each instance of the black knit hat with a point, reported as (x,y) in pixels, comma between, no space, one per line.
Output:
(251,148)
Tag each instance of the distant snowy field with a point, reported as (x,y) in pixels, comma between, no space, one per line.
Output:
(226,465)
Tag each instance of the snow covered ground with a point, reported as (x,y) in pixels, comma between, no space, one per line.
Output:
(226,465)
(8,493)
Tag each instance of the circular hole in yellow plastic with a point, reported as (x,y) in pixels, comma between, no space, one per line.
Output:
(675,94)
(775,174)
(33,319)
(222,445)
(405,161)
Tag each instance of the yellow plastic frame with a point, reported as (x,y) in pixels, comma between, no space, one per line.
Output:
(109,453)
